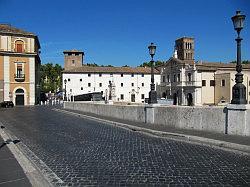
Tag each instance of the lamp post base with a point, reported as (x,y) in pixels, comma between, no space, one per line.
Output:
(152,97)
(239,94)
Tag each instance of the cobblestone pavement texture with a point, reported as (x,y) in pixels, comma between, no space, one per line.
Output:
(84,152)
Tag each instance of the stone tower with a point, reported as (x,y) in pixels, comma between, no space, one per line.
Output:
(73,59)
(185,48)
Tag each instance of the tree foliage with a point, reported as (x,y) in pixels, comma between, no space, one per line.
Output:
(148,64)
(243,62)
(51,77)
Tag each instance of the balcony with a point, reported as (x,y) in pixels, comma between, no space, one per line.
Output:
(19,77)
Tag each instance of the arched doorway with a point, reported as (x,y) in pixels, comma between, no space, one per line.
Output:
(190,99)
(19,96)
(175,99)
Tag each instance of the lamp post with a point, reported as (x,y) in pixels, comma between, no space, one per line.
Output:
(152,94)
(65,95)
(239,89)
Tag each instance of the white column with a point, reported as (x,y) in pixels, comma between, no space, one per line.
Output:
(6,67)
(32,80)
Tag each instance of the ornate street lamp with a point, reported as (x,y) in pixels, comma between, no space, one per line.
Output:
(65,96)
(239,89)
(152,93)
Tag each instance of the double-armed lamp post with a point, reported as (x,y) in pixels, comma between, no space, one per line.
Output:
(152,93)
(239,89)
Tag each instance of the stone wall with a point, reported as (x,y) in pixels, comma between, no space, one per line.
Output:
(133,113)
(232,119)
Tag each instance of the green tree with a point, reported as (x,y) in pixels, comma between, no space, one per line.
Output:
(148,64)
(243,62)
(51,79)
(92,64)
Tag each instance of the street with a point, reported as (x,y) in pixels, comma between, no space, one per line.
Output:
(85,152)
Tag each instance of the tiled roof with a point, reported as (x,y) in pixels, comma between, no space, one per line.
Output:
(8,29)
(90,69)
(213,66)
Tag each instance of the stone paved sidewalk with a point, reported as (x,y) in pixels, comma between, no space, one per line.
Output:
(11,173)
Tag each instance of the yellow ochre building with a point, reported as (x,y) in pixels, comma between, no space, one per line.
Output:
(19,66)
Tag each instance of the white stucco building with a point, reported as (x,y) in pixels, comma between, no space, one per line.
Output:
(128,84)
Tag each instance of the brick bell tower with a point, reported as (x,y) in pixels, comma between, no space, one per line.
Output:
(185,48)
(73,59)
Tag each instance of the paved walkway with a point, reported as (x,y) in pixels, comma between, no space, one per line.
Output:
(231,140)
(11,173)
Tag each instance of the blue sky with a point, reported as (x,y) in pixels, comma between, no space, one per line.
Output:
(118,32)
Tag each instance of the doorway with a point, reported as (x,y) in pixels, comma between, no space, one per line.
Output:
(132,97)
(19,97)
(175,99)
(190,99)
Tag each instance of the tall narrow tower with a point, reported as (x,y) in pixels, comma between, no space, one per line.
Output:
(73,59)
(185,48)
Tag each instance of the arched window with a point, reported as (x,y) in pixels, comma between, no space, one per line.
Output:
(19,46)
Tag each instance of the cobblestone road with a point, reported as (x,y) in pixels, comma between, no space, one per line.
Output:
(83,152)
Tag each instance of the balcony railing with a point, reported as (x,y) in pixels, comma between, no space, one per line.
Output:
(19,77)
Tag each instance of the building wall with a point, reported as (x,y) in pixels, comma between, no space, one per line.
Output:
(8,43)
(226,91)
(8,69)
(77,87)
(1,79)
(78,60)
(222,93)
(207,90)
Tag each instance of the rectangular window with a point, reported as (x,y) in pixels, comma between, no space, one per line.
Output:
(100,84)
(223,82)
(142,84)
(249,83)
(73,61)
(142,96)
(142,75)
(81,88)
(122,75)
(132,84)
(132,75)
(203,82)
(168,78)
(80,80)
(100,74)
(89,75)
(68,80)
(174,78)
(122,97)
(89,84)
(189,77)
(212,82)
(121,84)
(19,70)
(178,78)
(163,78)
